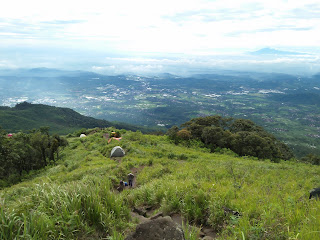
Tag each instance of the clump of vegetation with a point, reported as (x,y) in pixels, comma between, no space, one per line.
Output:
(242,136)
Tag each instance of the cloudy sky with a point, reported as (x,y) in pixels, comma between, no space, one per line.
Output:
(140,29)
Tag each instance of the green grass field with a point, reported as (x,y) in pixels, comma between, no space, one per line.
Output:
(77,198)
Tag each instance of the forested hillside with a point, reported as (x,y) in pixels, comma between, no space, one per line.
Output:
(224,194)
(26,116)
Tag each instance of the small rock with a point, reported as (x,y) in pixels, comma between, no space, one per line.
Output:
(201,234)
(159,214)
(136,217)
(148,208)
(141,212)
(207,238)
(209,232)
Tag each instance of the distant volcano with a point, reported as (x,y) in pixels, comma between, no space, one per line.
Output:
(272,51)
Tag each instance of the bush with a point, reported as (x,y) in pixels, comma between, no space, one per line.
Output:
(310,158)
(172,156)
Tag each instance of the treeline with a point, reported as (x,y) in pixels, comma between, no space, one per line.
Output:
(242,136)
(22,152)
(311,158)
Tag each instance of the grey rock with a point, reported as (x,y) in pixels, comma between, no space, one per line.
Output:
(158,229)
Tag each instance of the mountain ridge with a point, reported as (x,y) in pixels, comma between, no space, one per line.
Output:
(27,116)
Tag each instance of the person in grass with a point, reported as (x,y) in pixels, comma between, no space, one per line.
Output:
(121,186)
(130,179)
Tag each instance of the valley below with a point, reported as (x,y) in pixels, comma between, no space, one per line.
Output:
(285,105)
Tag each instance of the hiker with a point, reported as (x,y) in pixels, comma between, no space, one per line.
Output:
(130,179)
(121,186)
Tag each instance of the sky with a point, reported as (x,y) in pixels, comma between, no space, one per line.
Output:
(147,35)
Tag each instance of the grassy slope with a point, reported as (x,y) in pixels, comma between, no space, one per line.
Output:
(76,199)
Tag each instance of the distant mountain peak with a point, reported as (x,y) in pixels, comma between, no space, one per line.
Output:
(272,51)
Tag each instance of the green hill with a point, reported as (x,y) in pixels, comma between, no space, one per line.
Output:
(26,116)
(77,198)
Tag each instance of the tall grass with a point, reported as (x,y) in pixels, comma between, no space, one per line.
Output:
(66,212)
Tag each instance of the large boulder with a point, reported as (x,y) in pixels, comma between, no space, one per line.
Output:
(158,229)
(117,152)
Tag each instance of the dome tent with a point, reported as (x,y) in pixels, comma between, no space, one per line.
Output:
(82,135)
(117,152)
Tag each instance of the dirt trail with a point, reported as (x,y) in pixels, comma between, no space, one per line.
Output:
(147,213)
(135,172)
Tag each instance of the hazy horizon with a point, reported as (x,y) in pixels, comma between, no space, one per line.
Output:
(145,37)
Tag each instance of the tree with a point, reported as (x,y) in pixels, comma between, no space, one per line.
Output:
(244,125)
(40,142)
(56,143)
(172,134)
(184,134)
(216,137)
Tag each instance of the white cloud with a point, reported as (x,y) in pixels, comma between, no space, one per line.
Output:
(7,64)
